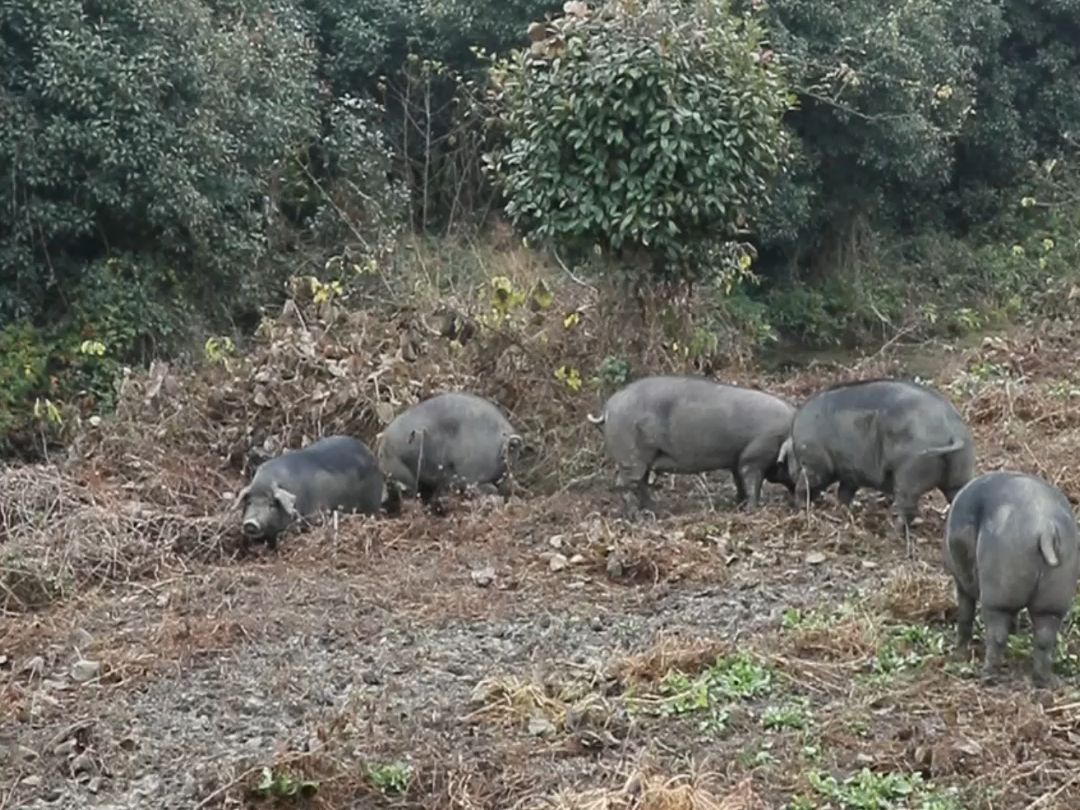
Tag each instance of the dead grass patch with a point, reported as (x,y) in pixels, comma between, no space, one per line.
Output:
(850,638)
(60,536)
(545,709)
(658,791)
(670,651)
(917,595)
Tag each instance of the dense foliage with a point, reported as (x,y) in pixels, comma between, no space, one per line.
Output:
(656,130)
(884,91)
(169,164)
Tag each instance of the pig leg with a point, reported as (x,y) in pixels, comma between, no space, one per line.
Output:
(950,493)
(1044,629)
(907,509)
(845,493)
(748,481)
(431,497)
(965,621)
(633,482)
(997,638)
(740,488)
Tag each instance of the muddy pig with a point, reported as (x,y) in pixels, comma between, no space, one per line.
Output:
(691,424)
(335,473)
(1010,543)
(448,441)
(898,437)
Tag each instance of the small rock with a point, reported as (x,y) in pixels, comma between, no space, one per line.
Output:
(556,541)
(254,705)
(83,764)
(483,577)
(614,567)
(596,623)
(541,727)
(815,558)
(81,638)
(557,562)
(456,669)
(162,600)
(371,678)
(94,785)
(83,671)
(149,785)
(66,748)
(31,781)
(869,564)
(33,667)
(95,421)
(577,559)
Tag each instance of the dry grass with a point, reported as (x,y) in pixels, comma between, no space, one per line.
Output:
(59,537)
(670,651)
(656,791)
(919,595)
(141,507)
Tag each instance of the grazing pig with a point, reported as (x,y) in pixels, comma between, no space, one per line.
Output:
(1010,543)
(690,424)
(335,473)
(898,437)
(448,441)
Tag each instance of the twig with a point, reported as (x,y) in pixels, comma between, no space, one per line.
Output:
(569,272)
(1047,797)
(221,791)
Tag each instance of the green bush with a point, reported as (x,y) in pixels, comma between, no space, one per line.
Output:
(883,94)
(1028,103)
(654,130)
(23,362)
(142,125)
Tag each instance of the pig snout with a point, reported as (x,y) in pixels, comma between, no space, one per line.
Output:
(251,527)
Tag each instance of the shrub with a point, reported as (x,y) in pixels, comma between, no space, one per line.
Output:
(652,132)
(142,125)
(883,95)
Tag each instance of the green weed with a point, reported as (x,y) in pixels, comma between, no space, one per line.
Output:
(793,714)
(394,777)
(867,790)
(283,785)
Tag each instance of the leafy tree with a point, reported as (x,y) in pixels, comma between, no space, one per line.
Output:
(142,126)
(653,131)
(884,91)
(1027,104)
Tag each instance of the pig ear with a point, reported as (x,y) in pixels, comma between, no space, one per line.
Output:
(286,499)
(241,496)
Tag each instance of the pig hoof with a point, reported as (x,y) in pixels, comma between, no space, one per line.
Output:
(1044,681)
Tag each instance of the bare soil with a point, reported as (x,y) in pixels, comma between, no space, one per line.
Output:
(520,654)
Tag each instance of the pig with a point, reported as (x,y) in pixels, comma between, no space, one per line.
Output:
(898,437)
(335,473)
(450,440)
(1010,543)
(693,424)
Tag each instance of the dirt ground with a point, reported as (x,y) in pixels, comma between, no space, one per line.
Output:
(538,653)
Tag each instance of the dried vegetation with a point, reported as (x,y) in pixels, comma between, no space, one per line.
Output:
(133,536)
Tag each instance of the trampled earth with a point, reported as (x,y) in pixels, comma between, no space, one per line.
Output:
(539,653)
